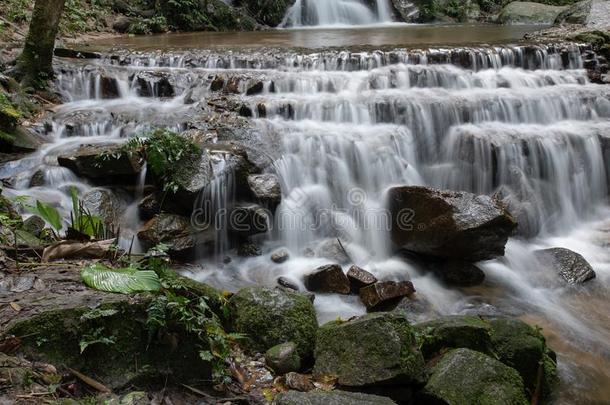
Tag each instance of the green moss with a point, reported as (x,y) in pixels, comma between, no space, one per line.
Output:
(453,332)
(269,317)
(376,348)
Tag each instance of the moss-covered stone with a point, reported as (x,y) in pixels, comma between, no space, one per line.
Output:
(523,348)
(371,350)
(330,398)
(467,377)
(272,316)
(453,332)
(283,358)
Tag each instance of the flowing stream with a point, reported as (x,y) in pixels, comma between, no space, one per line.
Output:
(337,12)
(342,127)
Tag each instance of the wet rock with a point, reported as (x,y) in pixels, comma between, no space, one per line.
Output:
(154,84)
(280,256)
(103,164)
(175,231)
(74,54)
(330,398)
(464,376)
(104,204)
(195,173)
(526,12)
(234,85)
(109,88)
(571,266)
(331,249)
(329,279)
(386,294)
(284,282)
(122,24)
(248,249)
(266,188)
(452,272)
(449,224)
(148,207)
(283,358)
(236,162)
(299,382)
(523,348)
(217,83)
(38,179)
(416,309)
(34,225)
(359,278)
(247,220)
(406,9)
(256,88)
(453,332)
(372,350)
(269,317)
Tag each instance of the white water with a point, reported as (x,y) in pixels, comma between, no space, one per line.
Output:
(336,13)
(344,127)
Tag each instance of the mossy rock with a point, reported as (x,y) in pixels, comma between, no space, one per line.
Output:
(595,38)
(453,332)
(466,377)
(527,12)
(375,349)
(283,358)
(523,348)
(330,398)
(269,317)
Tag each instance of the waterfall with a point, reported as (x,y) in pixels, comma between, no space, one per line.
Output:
(336,12)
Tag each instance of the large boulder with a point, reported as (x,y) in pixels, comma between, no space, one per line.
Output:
(577,13)
(571,266)
(406,10)
(523,348)
(329,278)
(176,232)
(449,224)
(330,398)
(269,317)
(266,188)
(283,358)
(527,12)
(385,294)
(464,376)
(375,349)
(453,332)
(104,204)
(249,219)
(267,12)
(103,164)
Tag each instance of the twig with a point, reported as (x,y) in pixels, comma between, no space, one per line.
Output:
(17,29)
(344,251)
(90,381)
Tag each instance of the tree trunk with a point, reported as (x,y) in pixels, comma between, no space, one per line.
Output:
(35,65)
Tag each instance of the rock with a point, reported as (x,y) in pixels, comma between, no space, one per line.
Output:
(175,231)
(523,348)
(280,256)
(104,204)
(122,24)
(359,278)
(154,84)
(577,13)
(34,225)
(109,88)
(372,350)
(329,279)
(407,10)
(330,398)
(416,309)
(449,224)
(526,12)
(273,316)
(284,282)
(217,83)
(267,12)
(256,88)
(571,266)
(248,249)
(331,249)
(103,164)
(299,382)
(5,261)
(248,220)
(148,207)
(453,332)
(266,188)
(75,54)
(384,295)
(56,320)
(464,376)
(452,272)
(283,358)
(38,179)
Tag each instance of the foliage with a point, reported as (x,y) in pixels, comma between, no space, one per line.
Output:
(83,221)
(154,25)
(164,152)
(126,280)
(183,14)
(95,337)
(198,319)
(47,212)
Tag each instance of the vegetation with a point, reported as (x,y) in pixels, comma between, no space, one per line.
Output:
(126,280)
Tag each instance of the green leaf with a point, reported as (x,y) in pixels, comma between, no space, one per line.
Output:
(126,281)
(46,212)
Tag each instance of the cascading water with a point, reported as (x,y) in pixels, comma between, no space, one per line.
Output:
(337,12)
(521,122)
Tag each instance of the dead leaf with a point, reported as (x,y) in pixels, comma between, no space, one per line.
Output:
(70,249)
(16,307)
